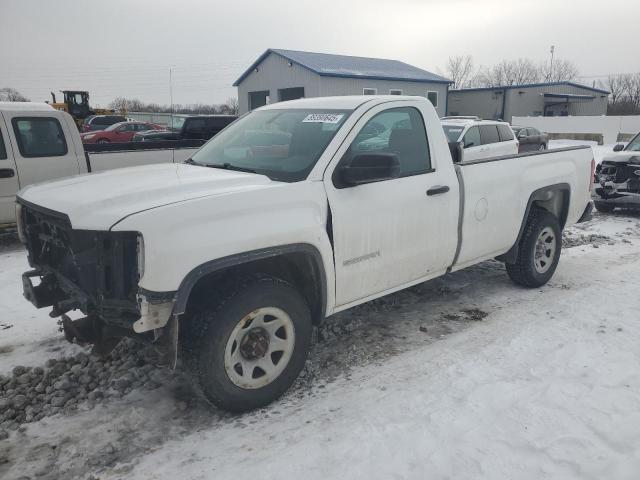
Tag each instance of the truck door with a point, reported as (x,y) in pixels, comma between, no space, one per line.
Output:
(394,232)
(9,185)
(44,148)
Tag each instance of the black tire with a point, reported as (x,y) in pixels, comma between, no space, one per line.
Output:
(524,271)
(604,207)
(209,331)
(542,147)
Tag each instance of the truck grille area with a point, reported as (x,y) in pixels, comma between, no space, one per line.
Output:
(625,174)
(93,271)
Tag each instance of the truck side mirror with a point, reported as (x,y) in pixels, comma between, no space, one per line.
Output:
(370,167)
(457,151)
(618,148)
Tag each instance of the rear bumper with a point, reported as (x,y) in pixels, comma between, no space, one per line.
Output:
(587,214)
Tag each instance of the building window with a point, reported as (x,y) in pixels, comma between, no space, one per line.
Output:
(258,99)
(395,91)
(294,93)
(369,91)
(433,98)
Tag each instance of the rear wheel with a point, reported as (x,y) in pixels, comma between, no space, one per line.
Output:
(539,250)
(604,207)
(248,347)
(542,147)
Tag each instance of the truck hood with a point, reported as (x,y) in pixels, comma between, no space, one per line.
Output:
(623,156)
(99,200)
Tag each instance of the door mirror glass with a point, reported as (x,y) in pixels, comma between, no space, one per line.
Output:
(370,167)
(618,148)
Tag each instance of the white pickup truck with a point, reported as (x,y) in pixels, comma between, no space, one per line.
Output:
(39,143)
(296,211)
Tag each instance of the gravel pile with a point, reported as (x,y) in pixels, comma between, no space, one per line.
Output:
(66,384)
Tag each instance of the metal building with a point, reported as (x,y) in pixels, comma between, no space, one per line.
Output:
(535,99)
(279,75)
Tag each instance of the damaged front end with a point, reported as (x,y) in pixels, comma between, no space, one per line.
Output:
(97,273)
(619,183)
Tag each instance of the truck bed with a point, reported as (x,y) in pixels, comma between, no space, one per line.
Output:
(495,193)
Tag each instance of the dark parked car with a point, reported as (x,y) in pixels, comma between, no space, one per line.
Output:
(100,122)
(197,127)
(531,139)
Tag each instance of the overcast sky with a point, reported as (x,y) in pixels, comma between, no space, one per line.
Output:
(125,48)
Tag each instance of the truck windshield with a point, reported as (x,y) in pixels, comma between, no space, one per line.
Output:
(634,144)
(281,144)
(452,132)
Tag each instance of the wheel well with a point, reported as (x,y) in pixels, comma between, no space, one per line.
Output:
(300,269)
(555,199)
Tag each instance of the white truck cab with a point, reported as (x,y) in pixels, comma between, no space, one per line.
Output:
(296,211)
(480,138)
(37,143)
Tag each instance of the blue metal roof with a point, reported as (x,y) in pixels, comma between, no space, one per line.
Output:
(527,85)
(329,65)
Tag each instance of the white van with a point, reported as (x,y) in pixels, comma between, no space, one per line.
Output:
(480,138)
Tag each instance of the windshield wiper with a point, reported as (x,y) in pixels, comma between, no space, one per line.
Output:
(191,161)
(228,166)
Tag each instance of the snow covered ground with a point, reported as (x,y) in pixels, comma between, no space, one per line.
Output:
(464,377)
(599,151)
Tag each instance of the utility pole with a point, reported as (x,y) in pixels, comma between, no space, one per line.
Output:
(171,99)
(553,48)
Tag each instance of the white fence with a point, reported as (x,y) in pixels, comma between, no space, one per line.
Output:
(606,129)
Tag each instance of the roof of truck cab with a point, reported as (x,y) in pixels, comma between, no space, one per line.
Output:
(346,102)
(25,107)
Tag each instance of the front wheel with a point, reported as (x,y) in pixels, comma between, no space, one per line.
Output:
(248,347)
(539,250)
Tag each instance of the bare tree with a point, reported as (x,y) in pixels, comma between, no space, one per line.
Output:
(8,94)
(123,104)
(459,69)
(562,70)
(631,84)
(230,107)
(509,72)
(614,85)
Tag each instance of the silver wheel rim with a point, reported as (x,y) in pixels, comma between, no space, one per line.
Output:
(259,348)
(544,250)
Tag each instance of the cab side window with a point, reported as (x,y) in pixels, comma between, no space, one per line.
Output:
(472,138)
(505,133)
(489,134)
(400,131)
(39,137)
(3,150)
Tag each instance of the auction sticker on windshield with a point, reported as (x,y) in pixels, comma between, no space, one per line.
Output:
(323,118)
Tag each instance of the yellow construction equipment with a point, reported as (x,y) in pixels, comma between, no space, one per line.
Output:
(76,104)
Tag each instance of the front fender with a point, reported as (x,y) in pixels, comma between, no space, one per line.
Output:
(183,237)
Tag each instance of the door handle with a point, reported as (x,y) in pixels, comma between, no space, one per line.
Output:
(437,190)
(7,172)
